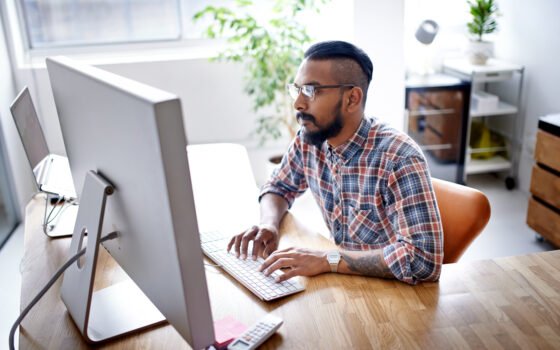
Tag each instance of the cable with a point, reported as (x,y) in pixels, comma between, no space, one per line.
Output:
(55,206)
(49,284)
(60,209)
(213,265)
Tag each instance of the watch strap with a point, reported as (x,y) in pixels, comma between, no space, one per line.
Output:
(333,257)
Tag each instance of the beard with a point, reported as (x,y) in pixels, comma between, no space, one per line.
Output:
(316,138)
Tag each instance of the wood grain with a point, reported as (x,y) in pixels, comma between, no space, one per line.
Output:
(548,149)
(508,303)
(546,186)
(544,220)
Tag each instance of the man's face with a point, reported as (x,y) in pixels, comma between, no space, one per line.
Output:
(320,118)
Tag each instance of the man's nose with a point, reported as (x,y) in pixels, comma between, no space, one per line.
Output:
(300,103)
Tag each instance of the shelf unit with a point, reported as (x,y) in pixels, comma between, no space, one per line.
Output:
(436,118)
(504,80)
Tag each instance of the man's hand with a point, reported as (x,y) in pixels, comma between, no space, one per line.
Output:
(265,241)
(297,262)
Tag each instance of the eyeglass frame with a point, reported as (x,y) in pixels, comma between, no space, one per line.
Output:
(300,89)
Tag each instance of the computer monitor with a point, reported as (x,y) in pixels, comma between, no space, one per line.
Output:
(133,136)
(51,171)
(27,124)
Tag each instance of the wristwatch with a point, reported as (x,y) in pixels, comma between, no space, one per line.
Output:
(333,257)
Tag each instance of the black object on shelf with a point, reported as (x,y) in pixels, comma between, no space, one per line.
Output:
(437,119)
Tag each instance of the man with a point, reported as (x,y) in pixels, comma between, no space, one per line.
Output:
(371,181)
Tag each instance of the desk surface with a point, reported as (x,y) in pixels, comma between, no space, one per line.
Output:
(502,303)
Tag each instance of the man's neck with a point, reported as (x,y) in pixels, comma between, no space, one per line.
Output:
(350,128)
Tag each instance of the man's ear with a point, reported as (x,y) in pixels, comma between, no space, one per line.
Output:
(354,99)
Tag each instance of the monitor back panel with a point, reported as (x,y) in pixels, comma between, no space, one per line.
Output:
(133,135)
(29,128)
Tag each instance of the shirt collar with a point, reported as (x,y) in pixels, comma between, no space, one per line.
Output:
(356,142)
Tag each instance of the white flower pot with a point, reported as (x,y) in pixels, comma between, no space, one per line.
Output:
(480,51)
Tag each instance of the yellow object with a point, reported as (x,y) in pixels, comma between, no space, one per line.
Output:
(482,137)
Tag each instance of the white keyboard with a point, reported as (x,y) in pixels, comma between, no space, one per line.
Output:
(247,271)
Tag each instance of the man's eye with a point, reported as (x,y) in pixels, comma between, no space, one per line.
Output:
(308,90)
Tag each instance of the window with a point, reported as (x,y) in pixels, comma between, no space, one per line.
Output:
(42,27)
(8,214)
(57,23)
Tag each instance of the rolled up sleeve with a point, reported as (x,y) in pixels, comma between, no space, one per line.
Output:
(288,179)
(416,252)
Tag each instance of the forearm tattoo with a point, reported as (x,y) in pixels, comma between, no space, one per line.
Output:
(368,265)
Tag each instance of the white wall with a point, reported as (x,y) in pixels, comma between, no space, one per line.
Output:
(214,105)
(529,36)
(379,27)
(451,39)
(21,173)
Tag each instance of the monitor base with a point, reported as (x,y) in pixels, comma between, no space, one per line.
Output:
(116,310)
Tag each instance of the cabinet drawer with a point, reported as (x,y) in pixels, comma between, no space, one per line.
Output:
(544,220)
(492,76)
(546,186)
(547,150)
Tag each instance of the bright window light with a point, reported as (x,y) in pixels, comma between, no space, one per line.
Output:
(58,23)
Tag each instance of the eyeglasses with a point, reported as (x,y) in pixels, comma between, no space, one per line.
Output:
(310,90)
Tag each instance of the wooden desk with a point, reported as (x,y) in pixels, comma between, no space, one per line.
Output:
(502,303)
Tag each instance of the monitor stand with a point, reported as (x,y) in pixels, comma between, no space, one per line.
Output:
(113,311)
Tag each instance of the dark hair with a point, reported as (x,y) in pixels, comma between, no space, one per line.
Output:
(344,51)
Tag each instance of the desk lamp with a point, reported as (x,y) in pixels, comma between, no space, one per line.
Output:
(425,34)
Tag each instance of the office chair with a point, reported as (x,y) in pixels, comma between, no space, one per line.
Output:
(464,214)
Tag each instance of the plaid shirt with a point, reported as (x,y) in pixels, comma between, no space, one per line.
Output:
(374,192)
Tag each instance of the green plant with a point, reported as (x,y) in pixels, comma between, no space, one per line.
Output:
(484,13)
(271,51)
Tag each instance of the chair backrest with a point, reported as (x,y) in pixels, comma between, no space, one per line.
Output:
(464,214)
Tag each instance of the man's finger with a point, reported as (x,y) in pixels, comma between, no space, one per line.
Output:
(230,244)
(285,250)
(280,263)
(238,238)
(237,245)
(258,246)
(286,275)
(269,261)
(276,254)
(247,237)
(269,248)
(233,240)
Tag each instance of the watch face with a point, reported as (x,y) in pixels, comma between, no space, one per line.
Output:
(333,257)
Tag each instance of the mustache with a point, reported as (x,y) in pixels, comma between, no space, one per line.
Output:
(305,116)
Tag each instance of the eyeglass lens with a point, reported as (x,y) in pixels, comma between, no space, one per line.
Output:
(307,90)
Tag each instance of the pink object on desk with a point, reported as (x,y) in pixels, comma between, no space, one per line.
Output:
(227,329)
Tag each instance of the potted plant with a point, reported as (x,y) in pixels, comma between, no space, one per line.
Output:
(271,50)
(484,13)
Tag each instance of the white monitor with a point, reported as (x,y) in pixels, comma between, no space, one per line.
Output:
(133,136)
(29,128)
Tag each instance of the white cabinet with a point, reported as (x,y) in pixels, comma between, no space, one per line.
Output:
(494,123)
